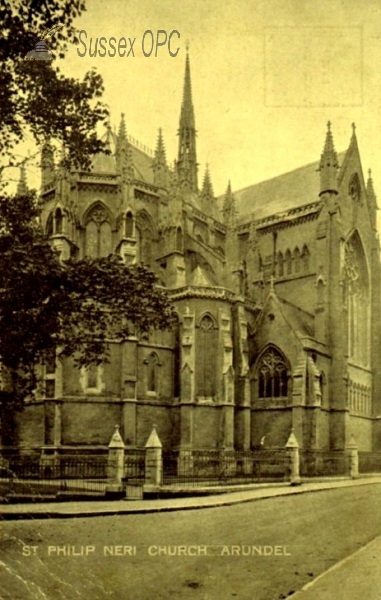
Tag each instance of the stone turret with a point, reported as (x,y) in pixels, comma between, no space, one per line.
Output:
(328,165)
(22,187)
(159,165)
(47,164)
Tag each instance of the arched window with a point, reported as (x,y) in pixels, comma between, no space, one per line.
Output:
(354,188)
(144,237)
(58,220)
(206,357)
(92,239)
(356,298)
(129,225)
(280,264)
(176,358)
(272,375)
(49,225)
(105,239)
(288,260)
(152,363)
(98,240)
(305,259)
(320,285)
(297,260)
(92,376)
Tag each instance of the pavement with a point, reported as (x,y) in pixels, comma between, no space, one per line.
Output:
(356,577)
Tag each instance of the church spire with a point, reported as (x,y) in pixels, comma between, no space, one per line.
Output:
(22,187)
(159,164)
(187,159)
(328,165)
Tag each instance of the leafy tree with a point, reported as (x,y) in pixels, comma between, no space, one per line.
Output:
(35,97)
(73,307)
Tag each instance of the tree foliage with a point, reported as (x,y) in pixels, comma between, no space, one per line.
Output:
(35,97)
(75,307)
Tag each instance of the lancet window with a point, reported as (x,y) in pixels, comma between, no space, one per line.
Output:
(206,348)
(356,300)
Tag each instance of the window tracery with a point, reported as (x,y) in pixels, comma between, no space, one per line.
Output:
(207,339)
(272,375)
(98,233)
(288,260)
(356,299)
(354,188)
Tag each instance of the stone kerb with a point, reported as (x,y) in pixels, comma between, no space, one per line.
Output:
(292,447)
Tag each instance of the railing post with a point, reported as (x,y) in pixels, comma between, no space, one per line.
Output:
(293,449)
(353,453)
(153,465)
(115,462)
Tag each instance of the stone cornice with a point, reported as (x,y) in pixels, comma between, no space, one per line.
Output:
(109,179)
(194,291)
(146,186)
(287,219)
(214,293)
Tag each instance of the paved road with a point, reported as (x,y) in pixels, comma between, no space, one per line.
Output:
(216,552)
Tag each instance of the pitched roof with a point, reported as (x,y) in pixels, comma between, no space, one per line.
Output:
(105,163)
(142,165)
(280,194)
(200,277)
(300,320)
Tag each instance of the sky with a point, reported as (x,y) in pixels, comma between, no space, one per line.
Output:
(267,75)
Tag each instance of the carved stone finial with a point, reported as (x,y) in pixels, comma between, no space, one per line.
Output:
(116,440)
(153,440)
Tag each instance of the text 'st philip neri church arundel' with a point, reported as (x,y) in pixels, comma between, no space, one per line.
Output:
(276,289)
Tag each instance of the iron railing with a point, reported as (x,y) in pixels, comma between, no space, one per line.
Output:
(219,467)
(134,466)
(41,479)
(369,462)
(319,463)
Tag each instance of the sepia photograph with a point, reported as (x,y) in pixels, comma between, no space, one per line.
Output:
(190,300)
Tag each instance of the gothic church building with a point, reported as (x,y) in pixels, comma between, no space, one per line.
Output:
(277,294)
